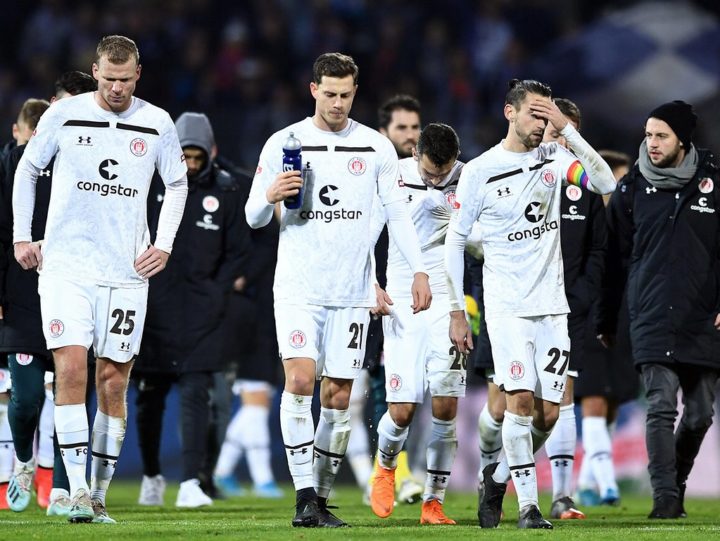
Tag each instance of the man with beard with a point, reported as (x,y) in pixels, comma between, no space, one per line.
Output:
(514,191)
(183,339)
(399,121)
(664,225)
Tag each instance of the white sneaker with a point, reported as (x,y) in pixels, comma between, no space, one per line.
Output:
(60,503)
(191,495)
(152,490)
(410,491)
(19,489)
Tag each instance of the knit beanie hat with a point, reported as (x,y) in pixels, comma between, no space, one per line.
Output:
(680,117)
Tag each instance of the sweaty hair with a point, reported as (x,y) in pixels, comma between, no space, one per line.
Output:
(399,102)
(74,83)
(334,65)
(569,109)
(439,143)
(615,159)
(117,49)
(31,111)
(518,90)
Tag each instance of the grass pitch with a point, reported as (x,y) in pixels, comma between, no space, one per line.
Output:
(248,518)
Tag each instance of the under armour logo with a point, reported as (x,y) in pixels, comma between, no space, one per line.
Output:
(409,198)
(558,385)
(125,346)
(335,463)
(356,363)
(518,473)
(302,451)
(108,463)
(84,140)
(564,463)
(44,173)
(651,190)
(502,192)
(439,479)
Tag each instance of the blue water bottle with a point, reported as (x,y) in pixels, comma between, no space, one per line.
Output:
(292,161)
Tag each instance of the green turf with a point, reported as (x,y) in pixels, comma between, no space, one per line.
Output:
(249,518)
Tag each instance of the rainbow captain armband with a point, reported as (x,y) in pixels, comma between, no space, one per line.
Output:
(576,175)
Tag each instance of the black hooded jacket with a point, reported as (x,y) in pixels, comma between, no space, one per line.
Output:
(21,328)
(666,245)
(188,299)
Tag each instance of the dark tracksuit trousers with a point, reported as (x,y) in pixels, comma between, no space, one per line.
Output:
(672,453)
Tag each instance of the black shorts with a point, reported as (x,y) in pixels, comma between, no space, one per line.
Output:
(251,342)
(577,330)
(609,373)
(374,344)
(481,359)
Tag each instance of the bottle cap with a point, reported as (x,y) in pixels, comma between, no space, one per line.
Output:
(292,142)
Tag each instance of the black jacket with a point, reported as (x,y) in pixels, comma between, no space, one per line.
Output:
(583,240)
(249,328)
(667,247)
(187,300)
(21,329)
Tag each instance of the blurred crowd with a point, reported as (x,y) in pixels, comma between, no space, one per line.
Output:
(246,64)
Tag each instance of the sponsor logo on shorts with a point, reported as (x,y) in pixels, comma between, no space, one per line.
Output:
(23,359)
(548,178)
(138,147)
(395,382)
(297,339)
(56,328)
(357,166)
(517,370)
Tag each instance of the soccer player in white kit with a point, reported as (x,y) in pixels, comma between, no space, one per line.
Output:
(323,287)
(96,256)
(418,352)
(513,191)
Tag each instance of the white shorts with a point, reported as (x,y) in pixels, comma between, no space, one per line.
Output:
(241,386)
(531,354)
(419,354)
(334,337)
(111,319)
(5,382)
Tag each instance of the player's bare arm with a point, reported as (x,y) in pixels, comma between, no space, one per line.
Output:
(382,302)
(286,184)
(460,333)
(28,255)
(422,296)
(151,261)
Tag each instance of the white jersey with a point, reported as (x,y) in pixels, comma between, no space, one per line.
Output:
(97,223)
(324,249)
(430,209)
(515,197)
